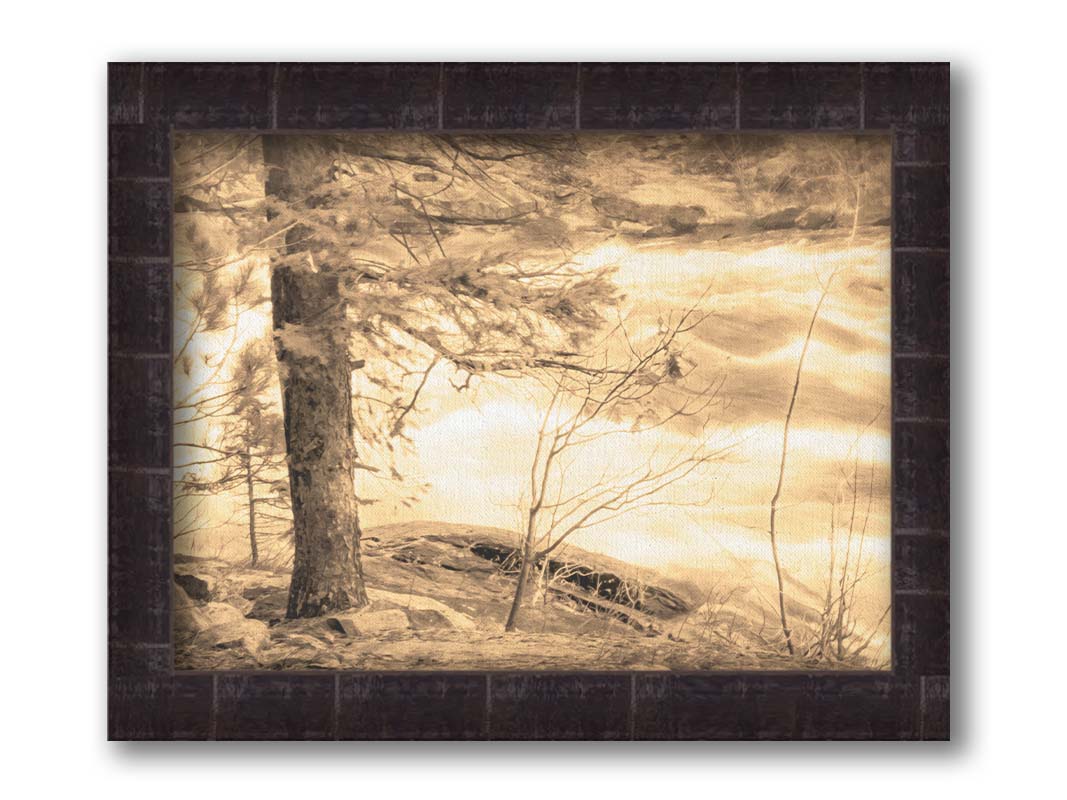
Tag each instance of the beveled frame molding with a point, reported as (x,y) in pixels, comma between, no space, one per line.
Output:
(148,699)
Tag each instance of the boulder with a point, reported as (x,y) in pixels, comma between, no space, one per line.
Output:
(248,634)
(816,218)
(241,587)
(619,208)
(221,614)
(424,619)
(256,592)
(191,619)
(196,588)
(214,625)
(660,220)
(240,603)
(417,602)
(778,220)
(684,219)
(288,638)
(289,650)
(369,623)
(181,597)
(268,606)
(236,581)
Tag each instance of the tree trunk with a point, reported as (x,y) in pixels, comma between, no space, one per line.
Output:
(251,488)
(781,470)
(520,591)
(317,406)
(527,565)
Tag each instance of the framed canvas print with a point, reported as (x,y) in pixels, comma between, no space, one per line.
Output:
(524,401)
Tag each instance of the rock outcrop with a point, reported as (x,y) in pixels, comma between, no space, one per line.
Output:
(368,622)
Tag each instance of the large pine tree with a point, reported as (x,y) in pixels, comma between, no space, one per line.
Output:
(410,252)
(312,346)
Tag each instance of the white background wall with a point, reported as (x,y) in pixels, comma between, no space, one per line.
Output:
(1008,430)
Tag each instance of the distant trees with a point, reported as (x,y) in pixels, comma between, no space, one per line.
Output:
(222,415)
(643,388)
(807,182)
(246,454)
(229,456)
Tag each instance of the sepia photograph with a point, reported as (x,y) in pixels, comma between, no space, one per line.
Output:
(584,401)
(388,383)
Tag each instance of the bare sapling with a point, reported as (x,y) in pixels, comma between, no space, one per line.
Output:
(626,396)
(856,185)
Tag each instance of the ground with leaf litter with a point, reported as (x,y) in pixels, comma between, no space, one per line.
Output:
(440,594)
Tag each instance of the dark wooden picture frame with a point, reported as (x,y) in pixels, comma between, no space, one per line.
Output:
(148,699)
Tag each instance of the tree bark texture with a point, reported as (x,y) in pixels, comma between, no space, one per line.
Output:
(317,406)
(520,587)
